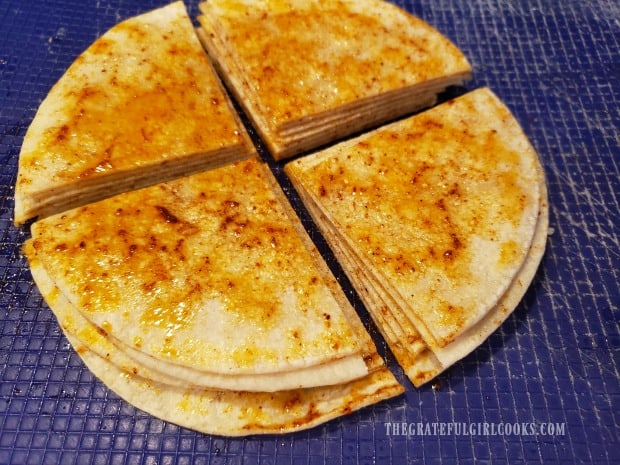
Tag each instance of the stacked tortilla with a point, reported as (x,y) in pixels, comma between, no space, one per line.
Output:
(440,221)
(176,266)
(201,299)
(203,302)
(141,105)
(310,72)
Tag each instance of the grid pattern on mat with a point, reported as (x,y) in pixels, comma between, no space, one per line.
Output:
(556,64)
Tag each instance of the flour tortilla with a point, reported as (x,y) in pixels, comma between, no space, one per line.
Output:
(234,413)
(311,72)
(130,360)
(140,106)
(228,413)
(413,354)
(434,218)
(207,275)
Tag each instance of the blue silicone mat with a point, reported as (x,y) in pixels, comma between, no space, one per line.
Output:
(551,368)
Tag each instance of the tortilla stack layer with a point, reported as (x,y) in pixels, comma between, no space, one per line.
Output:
(310,72)
(141,105)
(440,221)
(207,284)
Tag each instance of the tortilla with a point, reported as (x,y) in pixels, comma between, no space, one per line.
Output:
(140,106)
(437,219)
(211,279)
(229,413)
(310,72)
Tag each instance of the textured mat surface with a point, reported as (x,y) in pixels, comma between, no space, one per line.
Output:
(551,368)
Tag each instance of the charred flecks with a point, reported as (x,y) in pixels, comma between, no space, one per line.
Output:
(166,214)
